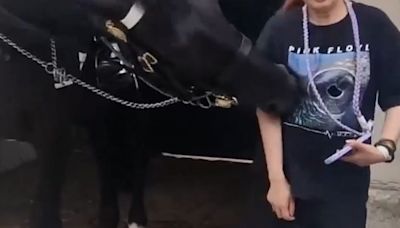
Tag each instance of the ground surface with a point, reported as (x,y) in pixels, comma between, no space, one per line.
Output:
(181,194)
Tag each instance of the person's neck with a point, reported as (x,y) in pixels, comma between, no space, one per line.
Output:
(330,16)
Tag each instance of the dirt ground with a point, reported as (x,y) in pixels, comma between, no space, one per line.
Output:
(180,194)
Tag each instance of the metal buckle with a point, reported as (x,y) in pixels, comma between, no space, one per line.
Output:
(225,102)
(148,61)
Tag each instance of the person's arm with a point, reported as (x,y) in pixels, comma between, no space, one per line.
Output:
(391,127)
(279,194)
(271,134)
(389,78)
(270,125)
(364,154)
(388,81)
(389,93)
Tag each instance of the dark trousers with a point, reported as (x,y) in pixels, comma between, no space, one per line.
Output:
(310,213)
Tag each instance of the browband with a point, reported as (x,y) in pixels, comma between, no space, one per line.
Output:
(134,15)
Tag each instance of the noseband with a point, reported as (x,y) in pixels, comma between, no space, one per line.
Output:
(149,70)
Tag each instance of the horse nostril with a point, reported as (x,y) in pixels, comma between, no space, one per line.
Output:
(334,91)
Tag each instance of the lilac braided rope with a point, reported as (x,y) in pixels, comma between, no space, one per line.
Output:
(358,76)
(357,87)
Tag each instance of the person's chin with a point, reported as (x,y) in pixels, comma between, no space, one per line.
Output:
(322,8)
(320,4)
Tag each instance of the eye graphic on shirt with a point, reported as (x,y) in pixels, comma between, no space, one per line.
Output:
(334,77)
(335,85)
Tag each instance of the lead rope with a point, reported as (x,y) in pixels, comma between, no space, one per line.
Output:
(366,126)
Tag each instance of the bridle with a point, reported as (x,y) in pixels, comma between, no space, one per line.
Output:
(149,63)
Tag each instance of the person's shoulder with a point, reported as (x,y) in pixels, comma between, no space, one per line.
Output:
(365,8)
(371,13)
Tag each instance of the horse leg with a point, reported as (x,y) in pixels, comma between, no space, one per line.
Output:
(109,208)
(137,212)
(108,212)
(47,203)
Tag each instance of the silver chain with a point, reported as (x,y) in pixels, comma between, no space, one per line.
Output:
(203,101)
(195,101)
(60,73)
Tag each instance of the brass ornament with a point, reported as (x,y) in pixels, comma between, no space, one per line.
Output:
(116,32)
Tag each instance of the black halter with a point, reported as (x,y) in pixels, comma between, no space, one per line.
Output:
(126,58)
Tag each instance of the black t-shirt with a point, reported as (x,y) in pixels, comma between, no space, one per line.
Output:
(309,134)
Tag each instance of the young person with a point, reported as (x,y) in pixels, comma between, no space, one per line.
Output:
(344,53)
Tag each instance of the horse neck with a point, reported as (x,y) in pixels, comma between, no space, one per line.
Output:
(66,17)
(43,15)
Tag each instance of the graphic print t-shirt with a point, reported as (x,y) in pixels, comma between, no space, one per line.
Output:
(309,134)
(333,72)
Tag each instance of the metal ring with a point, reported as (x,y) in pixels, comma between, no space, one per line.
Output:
(50,68)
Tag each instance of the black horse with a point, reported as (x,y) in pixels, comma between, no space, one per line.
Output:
(184,129)
(196,50)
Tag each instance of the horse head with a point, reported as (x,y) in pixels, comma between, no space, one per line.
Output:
(186,48)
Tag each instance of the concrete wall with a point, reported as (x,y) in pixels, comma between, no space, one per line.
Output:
(391,8)
(386,173)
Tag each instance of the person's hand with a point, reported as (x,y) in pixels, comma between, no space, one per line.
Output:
(363,154)
(281,199)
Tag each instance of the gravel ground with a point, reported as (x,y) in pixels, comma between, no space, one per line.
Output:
(180,194)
